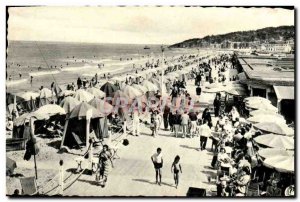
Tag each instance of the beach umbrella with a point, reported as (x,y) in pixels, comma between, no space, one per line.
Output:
(68,104)
(116,78)
(46,93)
(121,102)
(96,92)
(275,141)
(80,111)
(150,86)
(281,163)
(271,152)
(83,96)
(215,85)
(214,90)
(29,95)
(109,89)
(141,88)
(256,99)
(50,109)
(67,93)
(274,127)
(26,116)
(131,92)
(237,92)
(101,106)
(264,112)
(263,118)
(261,106)
(174,74)
(154,81)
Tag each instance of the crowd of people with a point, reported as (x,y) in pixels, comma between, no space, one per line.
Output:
(235,154)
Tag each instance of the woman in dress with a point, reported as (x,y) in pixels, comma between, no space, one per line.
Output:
(105,163)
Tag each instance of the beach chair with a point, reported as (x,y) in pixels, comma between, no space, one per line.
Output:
(29,186)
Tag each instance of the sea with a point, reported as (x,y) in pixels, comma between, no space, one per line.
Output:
(63,62)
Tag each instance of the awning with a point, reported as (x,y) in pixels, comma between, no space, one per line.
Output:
(284,92)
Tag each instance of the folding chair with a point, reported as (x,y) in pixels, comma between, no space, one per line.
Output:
(29,186)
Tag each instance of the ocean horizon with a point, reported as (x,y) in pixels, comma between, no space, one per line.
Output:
(64,62)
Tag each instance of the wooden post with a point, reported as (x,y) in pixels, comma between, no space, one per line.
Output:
(124,127)
(279,106)
(91,155)
(162,72)
(89,114)
(31,122)
(61,177)
(64,134)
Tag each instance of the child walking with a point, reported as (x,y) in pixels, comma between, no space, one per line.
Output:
(176,167)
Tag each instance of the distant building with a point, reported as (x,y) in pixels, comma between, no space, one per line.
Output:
(277,46)
(263,79)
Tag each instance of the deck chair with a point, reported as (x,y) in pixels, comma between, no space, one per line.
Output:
(252,189)
(77,140)
(29,186)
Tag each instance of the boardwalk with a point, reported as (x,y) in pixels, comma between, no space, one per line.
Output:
(134,174)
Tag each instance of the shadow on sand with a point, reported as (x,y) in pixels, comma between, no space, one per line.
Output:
(189,147)
(151,182)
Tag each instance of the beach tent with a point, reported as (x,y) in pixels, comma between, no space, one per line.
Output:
(109,89)
(81,120)
(83,96)
(68,104)
(20,130)
(29,100)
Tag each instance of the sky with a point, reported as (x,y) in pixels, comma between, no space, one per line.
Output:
(137,25)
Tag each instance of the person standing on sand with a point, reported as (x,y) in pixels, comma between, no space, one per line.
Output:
(157,161)
(176,167)
(184,123)
(31,79)
(79,82)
